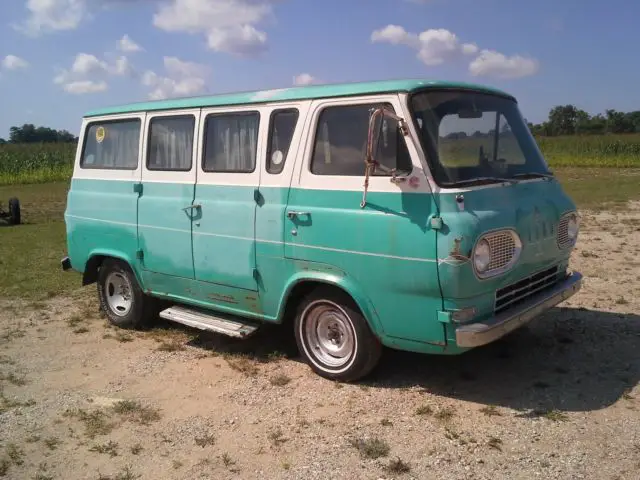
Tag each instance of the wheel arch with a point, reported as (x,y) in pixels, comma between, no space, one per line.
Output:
(95,260)
(302,284)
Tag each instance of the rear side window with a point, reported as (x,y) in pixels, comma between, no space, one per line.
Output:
(231,142)
(281,128)
(113,145)
(171,143)
(341,142)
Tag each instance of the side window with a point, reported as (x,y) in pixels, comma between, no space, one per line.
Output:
(341,142)
(281,128)
(112,144)
(230,143)
(171,143)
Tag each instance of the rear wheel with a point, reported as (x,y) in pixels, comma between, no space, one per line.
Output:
(121,298)
(14,211)
(334,336)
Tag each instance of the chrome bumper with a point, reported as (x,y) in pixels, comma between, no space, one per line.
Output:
(477,334)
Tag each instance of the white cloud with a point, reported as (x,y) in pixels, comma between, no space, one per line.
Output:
(122,67)
(434,46)
(437,46)
(229,25)
(52,15)
(11,62)
(495,64)
(182,79)
(125,44)
(241,40)
(304,79)
(87,64)
(85,86)
(88,73)
(395,35)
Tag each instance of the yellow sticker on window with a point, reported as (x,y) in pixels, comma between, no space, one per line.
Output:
(100,134)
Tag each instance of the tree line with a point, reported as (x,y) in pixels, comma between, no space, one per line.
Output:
(29,133)
(570,120)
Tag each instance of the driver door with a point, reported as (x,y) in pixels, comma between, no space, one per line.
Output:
(385,248)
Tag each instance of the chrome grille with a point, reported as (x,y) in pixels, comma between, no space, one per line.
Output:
(503,249)
(563,236)
(510,295)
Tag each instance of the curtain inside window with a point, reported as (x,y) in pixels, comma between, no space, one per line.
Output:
(232,143)
(118,148)
(171,144)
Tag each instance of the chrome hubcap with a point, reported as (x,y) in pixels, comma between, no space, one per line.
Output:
(118,293)
(330,334)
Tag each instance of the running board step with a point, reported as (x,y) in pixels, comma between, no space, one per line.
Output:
(207,321)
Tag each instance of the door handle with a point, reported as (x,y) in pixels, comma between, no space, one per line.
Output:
(190,207)
(292,214)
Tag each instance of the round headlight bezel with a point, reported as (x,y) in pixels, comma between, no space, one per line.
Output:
(573,227)
(484,272)
(484,244)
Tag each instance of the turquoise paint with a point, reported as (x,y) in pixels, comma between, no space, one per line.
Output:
(224,249)
(293,93)
(101,219)
(367,243)
(383,255)
(497,208)
(164,230)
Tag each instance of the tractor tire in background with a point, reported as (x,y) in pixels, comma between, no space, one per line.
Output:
(14,211)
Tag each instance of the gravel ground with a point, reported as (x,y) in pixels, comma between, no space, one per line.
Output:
(557,399)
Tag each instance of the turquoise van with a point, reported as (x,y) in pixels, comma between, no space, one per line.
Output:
(417,215)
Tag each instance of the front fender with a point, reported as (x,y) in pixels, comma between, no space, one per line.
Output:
(336,278)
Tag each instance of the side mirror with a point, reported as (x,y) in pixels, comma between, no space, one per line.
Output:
(374,145)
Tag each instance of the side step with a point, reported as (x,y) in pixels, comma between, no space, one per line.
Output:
(208,321)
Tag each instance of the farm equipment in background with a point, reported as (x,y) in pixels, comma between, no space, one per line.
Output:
(12,215)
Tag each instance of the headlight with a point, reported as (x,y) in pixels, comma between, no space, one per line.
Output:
(572,227)
(482,255)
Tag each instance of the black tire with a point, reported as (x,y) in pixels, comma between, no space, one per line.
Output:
(14,211)
(342,318)
(141,309)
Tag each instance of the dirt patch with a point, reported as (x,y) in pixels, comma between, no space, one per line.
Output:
(558,399)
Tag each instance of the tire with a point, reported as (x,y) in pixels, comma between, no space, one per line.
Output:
(121,298)
(334,337)
(14,211)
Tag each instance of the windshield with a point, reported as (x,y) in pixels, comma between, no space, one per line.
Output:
(475,137)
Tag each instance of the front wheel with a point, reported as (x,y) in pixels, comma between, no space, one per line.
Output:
(334,337)
(121,298)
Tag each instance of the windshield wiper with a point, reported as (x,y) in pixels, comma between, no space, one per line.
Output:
(533,174)
(471,181)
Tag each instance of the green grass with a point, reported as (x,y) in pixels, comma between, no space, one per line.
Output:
(30,253)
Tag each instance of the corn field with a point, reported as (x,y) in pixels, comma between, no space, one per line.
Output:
(612,151)
(36,163)
(40,163)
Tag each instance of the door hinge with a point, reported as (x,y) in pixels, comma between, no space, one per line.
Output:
(137,187)
(139,254)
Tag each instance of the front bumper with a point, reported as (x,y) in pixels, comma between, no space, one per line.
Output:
(482,333)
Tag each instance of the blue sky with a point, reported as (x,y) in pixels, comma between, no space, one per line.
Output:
(60,58)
